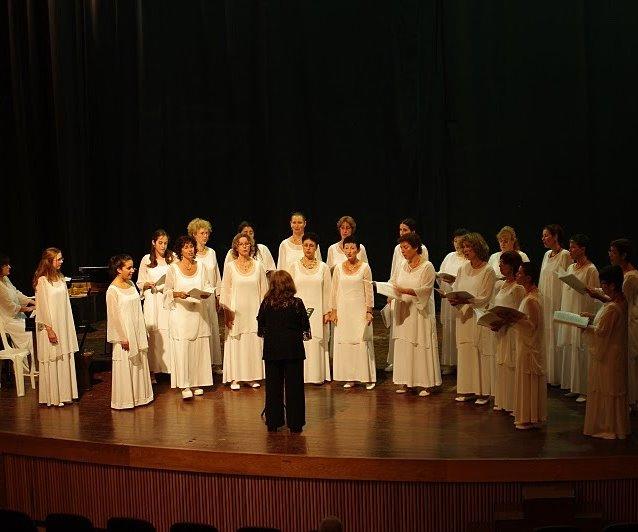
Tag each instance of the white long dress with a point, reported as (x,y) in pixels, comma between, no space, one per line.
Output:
(416,350)
(473,373)
(530,390)
(313,287)
(350,296)
(155,315)
(209,259)
(397,261)
(242,294)
(551,289)
(189,328)
(263,255)
(289,253)
(495,259)
(58,383)
(630,291)
(451,264)
(571,345)
(11,299)
(336,255)
(130,375)
(506,295)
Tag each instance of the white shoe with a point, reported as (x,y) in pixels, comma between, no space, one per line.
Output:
(60,404)
(581,399)
(187,393)
(570,394)
(424,393)
(401,390)
(482,401)
(235,386)
(198,391)
(371,385)
(462,398)
(348,385)
(255,385)
(389,368)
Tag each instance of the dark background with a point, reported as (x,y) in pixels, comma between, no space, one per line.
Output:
(122,116)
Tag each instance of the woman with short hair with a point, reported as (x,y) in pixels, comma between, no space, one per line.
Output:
(346,226)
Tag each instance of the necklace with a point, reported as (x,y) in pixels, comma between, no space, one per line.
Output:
(418,262)
(351,268)
(244,265)
(188,266)
(309,264)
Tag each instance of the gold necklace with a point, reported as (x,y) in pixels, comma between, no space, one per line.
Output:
(309,264)
(351,267)
(244,266)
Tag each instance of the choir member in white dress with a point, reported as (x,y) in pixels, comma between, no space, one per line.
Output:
(188,323)
(153,268)
(56,337)
(126,330)
(450,265)
(507,241)
(530,402)
(313,281)
(200,230)
(507,293)
(261,254)
(346,227)
(607,411)
(407,225)
(571,344)
(13,305)
(478,278)
(244,286)
(416,353)
(290,248)
(555,260)
(351,301)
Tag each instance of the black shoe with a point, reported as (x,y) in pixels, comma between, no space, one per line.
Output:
(296,430)
(272,429)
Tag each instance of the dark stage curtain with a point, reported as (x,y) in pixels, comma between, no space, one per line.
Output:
(121,116)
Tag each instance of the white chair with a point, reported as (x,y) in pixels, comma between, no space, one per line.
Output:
(19,358)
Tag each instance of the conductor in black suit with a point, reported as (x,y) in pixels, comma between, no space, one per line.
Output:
(283,324)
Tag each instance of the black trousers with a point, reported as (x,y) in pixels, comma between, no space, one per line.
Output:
(284,383)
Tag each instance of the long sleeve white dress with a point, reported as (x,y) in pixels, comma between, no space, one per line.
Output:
(130,375)
(551,289)
(530,390)
(11,299)
(313,287)
(189,328)
(350,296)
(58,383)
(416,351)
(630,291)
(210,262)
(242,294)
(571,345)
(155,315)
(337,256)
(263,255)
(289,253)
(451,264)
(473,373)
(506,295)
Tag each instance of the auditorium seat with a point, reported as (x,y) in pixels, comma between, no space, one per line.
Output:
(60,522)
(192,527)
(16,521)
(128,524)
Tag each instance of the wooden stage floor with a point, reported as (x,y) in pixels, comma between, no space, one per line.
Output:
(355,433)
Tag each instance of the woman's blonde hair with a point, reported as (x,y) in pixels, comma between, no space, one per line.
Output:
(478,244)
(347,220)
(45,267)
(198,223)
(236,241)
(507,230)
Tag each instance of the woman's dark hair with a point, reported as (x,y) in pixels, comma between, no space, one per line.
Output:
(532,270)
(181,242)
(413,239)
(351,240)
(310,236)
(410,222)
(168,255)
(254,253)
(580,240)
(116,262)
(556,231)
(461,231)
(242,225)
(612,275)
(512,259)
(4,260)
(282,289)
(624,246)
(478,244)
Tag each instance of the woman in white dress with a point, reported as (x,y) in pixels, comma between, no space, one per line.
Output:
(200,230)
(477,277)
(351,301)
(244,286)
(571,345)
(346,227)
(290,249)
(13,305)
(607,411)
(150,280)
(261,253)
(555,260)
(406,226)
(56,337)
(507,241)
(450,265)
(507,293)
(126,330)
(188,323)
(530,391)
(416,353)
(313,281)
